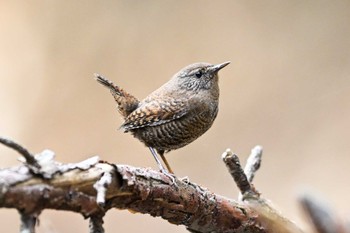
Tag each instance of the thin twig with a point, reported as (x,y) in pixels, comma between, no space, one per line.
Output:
(96,224)
(30,159)
(253,163)
(234,167)
(27,223)
(320,214)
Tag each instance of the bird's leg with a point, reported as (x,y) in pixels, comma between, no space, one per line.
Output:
(162,169)
(155,155)
(183,179)
(166,163)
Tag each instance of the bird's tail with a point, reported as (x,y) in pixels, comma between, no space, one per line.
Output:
(126,102)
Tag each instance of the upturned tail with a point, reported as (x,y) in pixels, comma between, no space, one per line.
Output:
(126,102)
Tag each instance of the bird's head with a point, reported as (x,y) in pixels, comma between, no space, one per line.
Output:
(198,77)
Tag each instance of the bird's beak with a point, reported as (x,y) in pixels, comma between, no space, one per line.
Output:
(216,68)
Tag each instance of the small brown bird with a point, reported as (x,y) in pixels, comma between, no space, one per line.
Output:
(175,114)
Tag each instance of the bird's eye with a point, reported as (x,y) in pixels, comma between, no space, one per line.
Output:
(199,74)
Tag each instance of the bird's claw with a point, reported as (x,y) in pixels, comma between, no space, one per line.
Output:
(185,179)
(171,176)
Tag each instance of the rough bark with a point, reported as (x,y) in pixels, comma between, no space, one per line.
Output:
(92,187)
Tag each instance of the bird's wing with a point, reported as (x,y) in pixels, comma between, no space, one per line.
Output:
(156,113)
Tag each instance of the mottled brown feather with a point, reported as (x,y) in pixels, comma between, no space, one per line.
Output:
(155,113)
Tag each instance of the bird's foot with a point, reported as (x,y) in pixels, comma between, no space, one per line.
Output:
(171,176)
(185,179)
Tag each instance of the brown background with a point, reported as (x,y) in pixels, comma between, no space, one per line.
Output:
(287,88)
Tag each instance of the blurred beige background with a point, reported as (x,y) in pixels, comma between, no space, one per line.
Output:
(287,89)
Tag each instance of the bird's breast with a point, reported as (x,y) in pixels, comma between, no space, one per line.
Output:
(179,132)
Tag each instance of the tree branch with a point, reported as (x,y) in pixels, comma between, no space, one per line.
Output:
(30,160)
(92,187)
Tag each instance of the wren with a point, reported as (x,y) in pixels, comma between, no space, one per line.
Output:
(175,114)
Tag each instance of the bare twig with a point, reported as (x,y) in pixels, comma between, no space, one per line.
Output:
(28,222)
(234,167)
(253,163)
(21,150)
(96,224)
(267,215)
(321,215)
